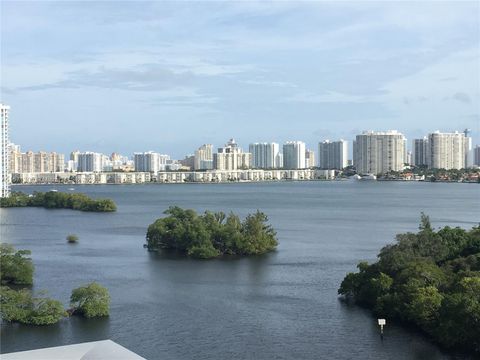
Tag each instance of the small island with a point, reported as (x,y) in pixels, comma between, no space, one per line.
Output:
(58,200)
(212,234)
(18,304)
(429,279)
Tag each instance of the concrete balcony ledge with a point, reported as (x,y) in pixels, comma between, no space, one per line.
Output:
(95,350)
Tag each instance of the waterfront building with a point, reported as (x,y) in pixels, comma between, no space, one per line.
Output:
(409,160)
(188,162)
(74,159)
(90,162)
(15,160)
(217,176)
(476,152)
(231,157)
(446,150)
(39,162)
(265,155)
(203,158)
(468,149)
(379,152)
(4,151)
(420,152)
(294,155)
(333,154)
(309,159)
(150,161)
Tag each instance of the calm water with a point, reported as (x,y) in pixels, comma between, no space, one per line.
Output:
(280,306)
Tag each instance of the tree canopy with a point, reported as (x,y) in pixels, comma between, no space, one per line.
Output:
(20,305)
(430,279)
(211,234)
(91,300)
(15,266)
(58,200)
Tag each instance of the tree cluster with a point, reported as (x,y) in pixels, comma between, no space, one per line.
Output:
(211,234)
(58,200)
(430,279)
(20,305)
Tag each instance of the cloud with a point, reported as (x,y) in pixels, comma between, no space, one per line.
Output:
(328,97)
(142,77)
(462,97)
(182,96)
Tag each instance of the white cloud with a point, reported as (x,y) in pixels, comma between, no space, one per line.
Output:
(328,97)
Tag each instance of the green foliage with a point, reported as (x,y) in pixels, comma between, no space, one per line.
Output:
(91,300)
(58,200)
(20,306)
(16,267)
(211,234)
(72,238)
(430,279)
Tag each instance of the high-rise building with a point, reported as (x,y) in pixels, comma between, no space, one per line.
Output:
(90,162)
(379,152)
(468,149)
(204,157)
(4,153)
(15,159)
(476,155)
(231,157)
(150,161)
(294,155)
(333,154)
(420,152)
(265,155)
(309,158)
(39,162)
(188,162)
(446,150)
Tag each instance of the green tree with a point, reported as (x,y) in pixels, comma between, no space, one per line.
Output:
(211,234)
(16,267)
(430,279)
(91,300)
(20,306)
(72,238)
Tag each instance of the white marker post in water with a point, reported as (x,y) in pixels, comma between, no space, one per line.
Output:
(382,323)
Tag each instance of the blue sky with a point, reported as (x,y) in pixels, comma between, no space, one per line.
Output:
(170,76)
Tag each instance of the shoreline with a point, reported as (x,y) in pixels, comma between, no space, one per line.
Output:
(246,182)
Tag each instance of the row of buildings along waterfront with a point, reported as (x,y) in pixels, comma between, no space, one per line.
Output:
(445,151)
(372,153)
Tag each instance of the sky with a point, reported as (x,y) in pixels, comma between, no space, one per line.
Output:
(170,76)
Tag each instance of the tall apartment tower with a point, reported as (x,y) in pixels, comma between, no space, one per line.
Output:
(468,149)
(309,159)
(333,154)
(150,161)
(446,150)
(420,152)
(476,155)
(4,152)
(231,157)
(379,152)
(90,162)
(265,155)
(203,157)
(294,155)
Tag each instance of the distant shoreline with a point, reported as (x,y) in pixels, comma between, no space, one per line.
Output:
(252,182)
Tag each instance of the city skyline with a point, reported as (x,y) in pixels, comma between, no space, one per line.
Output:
(170,76)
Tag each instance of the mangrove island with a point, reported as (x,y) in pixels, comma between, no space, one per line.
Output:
(19,305)
(429,279)
(212,234)
(58,200)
